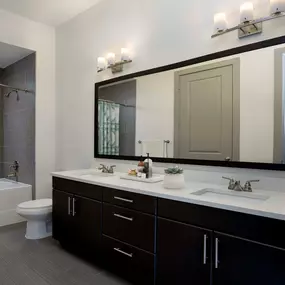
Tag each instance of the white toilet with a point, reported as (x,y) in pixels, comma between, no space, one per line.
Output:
(38,214)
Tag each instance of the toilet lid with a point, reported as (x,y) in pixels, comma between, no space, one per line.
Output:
(36,204)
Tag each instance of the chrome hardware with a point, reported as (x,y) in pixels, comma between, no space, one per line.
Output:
(107,169)
(120,251)
(236,186)
(205,250)
(232,183)
(123,199)
(247,186)
(123,217)
(217,253)
(14,171)
(68,206)
(73,207)
(228,159)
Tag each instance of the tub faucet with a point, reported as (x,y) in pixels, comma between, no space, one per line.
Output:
(14,171)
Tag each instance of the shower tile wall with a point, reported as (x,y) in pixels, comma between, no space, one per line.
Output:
(18,120)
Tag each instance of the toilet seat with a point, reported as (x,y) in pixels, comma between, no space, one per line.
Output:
(41,204)
(35,207)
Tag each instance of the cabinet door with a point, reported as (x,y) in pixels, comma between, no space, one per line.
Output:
(62,218)
(87,221)
(241,262)
(183,254)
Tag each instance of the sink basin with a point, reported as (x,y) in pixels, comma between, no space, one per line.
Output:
(221,194)
(96,174)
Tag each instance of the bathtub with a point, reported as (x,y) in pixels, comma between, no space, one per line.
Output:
(11,195)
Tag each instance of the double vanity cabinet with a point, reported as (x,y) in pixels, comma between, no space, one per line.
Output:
(151,240)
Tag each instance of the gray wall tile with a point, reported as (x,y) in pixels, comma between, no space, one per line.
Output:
(17,120)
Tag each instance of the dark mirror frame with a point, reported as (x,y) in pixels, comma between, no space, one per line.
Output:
(217,55)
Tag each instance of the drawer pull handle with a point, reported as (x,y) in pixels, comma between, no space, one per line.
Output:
(123,199)
(68,206)
(205,250)
(217,253)
(73,207)
(123,217)
(124,253)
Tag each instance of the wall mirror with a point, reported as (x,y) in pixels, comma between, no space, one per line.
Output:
(221,109)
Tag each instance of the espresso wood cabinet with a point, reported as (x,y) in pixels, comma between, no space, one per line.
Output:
(238,261)
(183,254)
(153,241)
(228,259)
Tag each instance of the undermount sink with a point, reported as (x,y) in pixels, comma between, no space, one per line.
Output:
(96,174)
(217,193)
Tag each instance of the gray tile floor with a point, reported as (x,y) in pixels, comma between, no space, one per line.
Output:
(43,262)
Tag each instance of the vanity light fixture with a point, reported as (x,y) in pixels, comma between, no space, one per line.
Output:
(101,64)
(248,25)
(246,12)
(220,22)
(277,6)
(111,58)
(115,66)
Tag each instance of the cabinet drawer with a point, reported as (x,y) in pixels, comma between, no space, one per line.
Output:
(78,188)
(129,226)
(130,200)
(130,263)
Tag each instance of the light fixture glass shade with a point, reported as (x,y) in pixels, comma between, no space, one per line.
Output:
(220,22)
(246,12)
(125,54)
(101,63)
(111,58)
(277,6)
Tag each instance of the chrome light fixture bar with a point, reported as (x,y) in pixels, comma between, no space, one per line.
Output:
(111,63)
(251,27)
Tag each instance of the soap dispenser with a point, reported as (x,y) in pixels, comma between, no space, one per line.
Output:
(148,166)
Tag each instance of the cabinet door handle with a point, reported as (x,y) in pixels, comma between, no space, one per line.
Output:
(73,207)
(123,217)
(205,250)
(123,199)
(124,253)
(217,253)
(68,206)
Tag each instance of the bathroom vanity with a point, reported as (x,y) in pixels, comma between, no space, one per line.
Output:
(149,235)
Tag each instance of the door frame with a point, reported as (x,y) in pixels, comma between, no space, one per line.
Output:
(279,135)
(235,63)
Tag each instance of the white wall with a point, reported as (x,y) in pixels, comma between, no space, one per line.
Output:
(19,31)
(155,112)
(158,33)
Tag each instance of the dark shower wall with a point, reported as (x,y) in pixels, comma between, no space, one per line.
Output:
(18,120)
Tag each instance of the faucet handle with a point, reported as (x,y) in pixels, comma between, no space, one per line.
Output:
(247,186)
(111,168)
(230,179)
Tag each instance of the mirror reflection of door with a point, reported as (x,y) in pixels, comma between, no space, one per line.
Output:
(279,103)
(205,127)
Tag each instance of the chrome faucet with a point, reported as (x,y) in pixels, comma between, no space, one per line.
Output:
(107,169)
(236,186)
(14,171)
(247,186)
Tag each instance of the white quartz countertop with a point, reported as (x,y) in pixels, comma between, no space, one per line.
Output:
(273,207)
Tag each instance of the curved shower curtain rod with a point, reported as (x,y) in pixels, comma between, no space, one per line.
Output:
(17,89)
